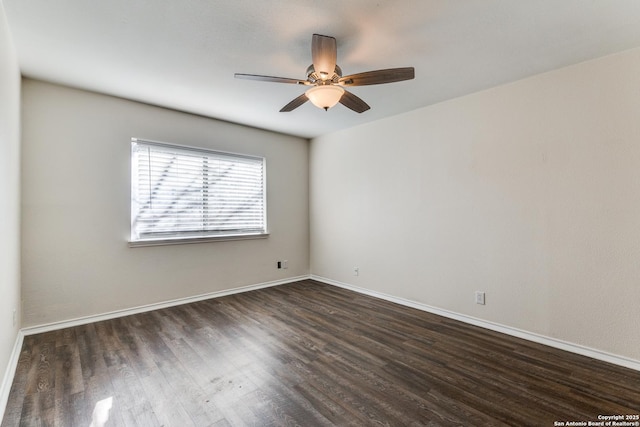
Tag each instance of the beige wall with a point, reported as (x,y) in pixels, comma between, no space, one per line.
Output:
(528,191)
(9,202)
(76,195)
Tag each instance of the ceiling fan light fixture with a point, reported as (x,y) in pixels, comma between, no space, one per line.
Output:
(325,96)
(325,78)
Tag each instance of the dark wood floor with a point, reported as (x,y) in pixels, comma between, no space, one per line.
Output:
(305,354)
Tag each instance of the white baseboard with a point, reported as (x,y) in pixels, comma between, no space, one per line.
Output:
(530,336)
(541,339)
(155,306)
(7,380)
(9,373)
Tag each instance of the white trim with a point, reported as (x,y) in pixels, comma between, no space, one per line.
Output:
(530,336)
(9,374)
(155,306)
(194,148)
(189,240)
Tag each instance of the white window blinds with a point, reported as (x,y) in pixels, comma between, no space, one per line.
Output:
(179,192)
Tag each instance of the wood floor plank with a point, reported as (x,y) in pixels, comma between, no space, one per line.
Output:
(99,396)
(288,406)
(168,410)
(91,358)
(68,382)
(41,376)
(305,354)
(199,403)
(139,355)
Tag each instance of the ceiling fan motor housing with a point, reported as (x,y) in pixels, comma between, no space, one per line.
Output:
(316,78)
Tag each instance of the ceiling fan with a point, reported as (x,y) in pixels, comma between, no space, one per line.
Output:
(325,77)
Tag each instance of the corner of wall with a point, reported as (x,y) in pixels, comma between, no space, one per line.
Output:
(10,337)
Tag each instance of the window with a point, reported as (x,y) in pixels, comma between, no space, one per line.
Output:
(183,195)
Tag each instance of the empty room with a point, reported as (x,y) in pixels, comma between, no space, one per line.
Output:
(411,213)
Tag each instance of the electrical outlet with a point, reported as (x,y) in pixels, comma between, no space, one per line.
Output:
(279,264)
(356,271)
(285,264)
(480,297)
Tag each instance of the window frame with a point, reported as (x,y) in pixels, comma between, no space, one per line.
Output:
(180,237)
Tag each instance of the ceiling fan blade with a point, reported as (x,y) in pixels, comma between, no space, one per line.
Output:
(295,103)
(324,55)
(377,77)
(270,79)
(354,103)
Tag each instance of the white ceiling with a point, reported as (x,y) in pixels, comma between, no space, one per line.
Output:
(183,54)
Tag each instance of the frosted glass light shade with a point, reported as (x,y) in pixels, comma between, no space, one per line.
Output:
(325,96)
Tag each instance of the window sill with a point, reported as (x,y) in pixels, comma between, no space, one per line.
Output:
(191,240)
